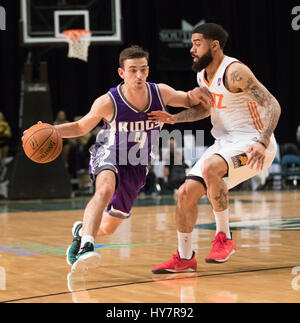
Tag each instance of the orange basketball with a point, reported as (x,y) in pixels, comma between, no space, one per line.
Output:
(42,143)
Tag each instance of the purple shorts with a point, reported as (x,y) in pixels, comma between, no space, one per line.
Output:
(129,181)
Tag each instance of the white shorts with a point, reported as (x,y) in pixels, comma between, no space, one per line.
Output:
(234,153)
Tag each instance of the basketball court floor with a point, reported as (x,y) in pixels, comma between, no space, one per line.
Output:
(265,268)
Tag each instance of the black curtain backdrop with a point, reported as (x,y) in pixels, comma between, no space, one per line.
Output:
(261,36)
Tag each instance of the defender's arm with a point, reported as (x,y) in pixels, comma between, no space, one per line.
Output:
(241,79)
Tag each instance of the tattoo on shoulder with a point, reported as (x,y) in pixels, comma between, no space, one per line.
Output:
(235,77)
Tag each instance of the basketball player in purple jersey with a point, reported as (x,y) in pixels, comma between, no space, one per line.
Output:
(119,158)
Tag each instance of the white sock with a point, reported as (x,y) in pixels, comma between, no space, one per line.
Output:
(86,239)
(185,245)
(222,222)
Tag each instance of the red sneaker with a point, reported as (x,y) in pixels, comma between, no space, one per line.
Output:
(222,249)
(176,265)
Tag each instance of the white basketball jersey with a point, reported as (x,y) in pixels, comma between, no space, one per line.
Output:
(234,116)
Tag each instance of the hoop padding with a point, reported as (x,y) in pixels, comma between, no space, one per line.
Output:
(79,41)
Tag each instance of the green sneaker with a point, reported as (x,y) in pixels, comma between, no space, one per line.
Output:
(75,246)
(86,259)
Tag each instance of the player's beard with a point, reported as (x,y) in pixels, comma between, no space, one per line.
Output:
(202,62)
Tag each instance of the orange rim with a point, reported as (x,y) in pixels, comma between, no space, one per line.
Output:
(75,34)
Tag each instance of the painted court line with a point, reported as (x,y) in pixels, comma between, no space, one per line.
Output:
(148,282)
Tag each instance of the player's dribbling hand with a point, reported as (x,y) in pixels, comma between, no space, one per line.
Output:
(161,116)
(201,95)
(257,154)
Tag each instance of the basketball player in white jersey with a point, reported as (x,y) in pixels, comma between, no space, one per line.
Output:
(244,115)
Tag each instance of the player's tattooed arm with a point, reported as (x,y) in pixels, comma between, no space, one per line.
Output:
(265,99)
(240,79)
(197,101)
(193,114)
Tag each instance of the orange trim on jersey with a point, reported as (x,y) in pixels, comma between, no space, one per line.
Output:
(255,116)
(210,82)
(249,108)
(258,116)
(259,122)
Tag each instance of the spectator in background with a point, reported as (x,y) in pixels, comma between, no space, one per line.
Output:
(298,136)
(5,135)
(176,170)
(61,118)
(150,185)
(79,156)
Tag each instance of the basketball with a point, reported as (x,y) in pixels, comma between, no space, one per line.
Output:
(42,143)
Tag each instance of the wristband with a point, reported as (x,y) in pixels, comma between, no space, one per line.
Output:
(261,143)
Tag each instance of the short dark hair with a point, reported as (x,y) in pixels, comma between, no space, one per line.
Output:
(131,52)
(214,32)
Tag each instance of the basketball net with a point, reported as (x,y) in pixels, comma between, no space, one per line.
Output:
(79,41)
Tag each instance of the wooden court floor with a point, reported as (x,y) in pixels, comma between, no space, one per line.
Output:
(266,267)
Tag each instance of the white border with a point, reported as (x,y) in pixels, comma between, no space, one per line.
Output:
(58,13)
(115,38)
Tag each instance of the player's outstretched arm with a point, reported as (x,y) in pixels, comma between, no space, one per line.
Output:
(199,102)
(174,98)
(102,108)
(190,115)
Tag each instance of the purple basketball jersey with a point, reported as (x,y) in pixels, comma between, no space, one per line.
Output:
(124,145)
(130,136)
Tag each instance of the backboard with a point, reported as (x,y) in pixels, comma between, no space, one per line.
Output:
(43,21)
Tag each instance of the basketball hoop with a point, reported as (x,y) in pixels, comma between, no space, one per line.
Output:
(79,41)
